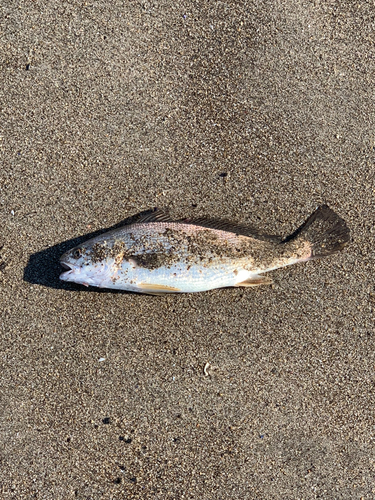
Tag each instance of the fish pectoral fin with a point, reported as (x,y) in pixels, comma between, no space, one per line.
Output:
(156,289)
(256,281)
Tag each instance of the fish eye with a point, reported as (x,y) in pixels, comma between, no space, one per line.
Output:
(77,253)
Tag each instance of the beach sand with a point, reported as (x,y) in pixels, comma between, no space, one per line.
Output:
(253,111)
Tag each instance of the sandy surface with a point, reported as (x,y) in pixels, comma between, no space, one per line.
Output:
(254,111)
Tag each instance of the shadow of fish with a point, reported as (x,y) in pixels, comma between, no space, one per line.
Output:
(156,255)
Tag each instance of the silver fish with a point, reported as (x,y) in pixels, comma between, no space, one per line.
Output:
(156,255)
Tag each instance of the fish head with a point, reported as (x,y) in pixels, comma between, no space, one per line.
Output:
(84,267)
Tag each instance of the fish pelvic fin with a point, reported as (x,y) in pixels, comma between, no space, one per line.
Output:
(156,289)
(255,281)
(322,234)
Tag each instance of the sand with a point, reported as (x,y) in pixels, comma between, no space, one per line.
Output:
(253,111)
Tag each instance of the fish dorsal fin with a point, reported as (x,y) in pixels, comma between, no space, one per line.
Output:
(219,224)
(157,215)
(232,227)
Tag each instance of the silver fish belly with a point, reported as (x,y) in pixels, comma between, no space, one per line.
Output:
(159,256)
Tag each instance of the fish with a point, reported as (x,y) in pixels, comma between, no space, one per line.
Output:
(156,255)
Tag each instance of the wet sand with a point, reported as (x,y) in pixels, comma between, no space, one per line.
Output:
(253,111)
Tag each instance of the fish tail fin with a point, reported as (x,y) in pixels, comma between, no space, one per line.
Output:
(322,234)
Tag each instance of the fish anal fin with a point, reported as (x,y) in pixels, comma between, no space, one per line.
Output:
(256,281)
(156,289)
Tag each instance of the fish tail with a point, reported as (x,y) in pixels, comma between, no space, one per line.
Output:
(323,233)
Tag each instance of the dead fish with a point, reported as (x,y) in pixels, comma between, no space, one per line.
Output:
(156,255)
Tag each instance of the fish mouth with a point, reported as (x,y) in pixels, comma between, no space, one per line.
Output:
(71,274)
(69,271)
